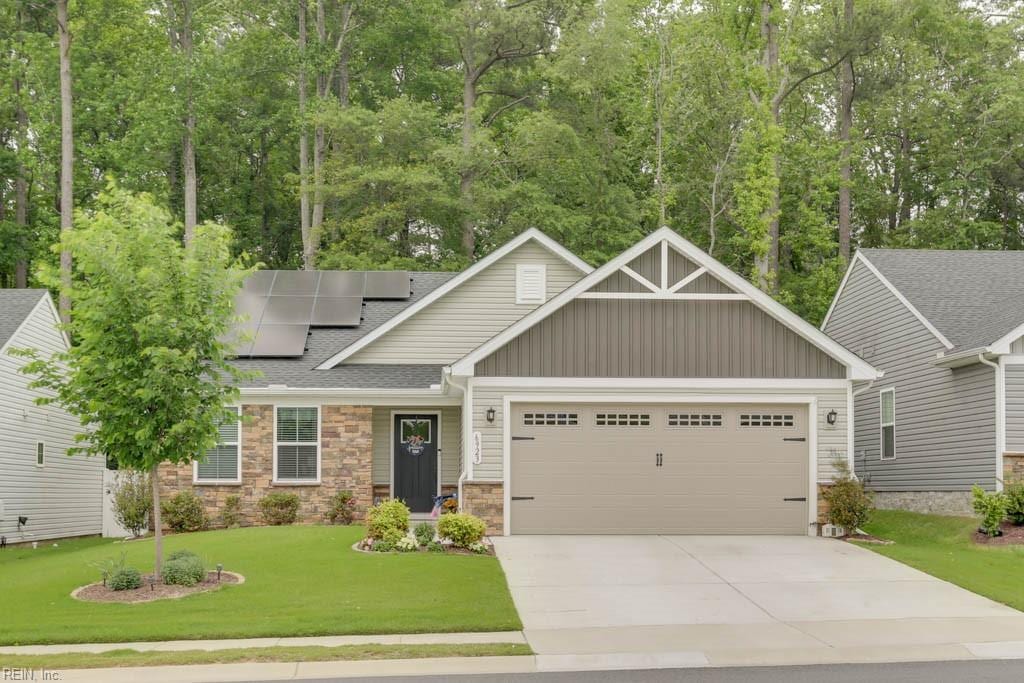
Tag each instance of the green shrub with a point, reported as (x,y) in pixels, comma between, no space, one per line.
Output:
(382,546)
(392,536)
(279,508)
(461,528)
(184,512)
(185,570)
(1015,502)
(178,554)
(407,545)
(478,548)
(126,578)
(387,514)
(231,515)
(341,508)
(435,547)
(133,500)
(991,507)
(849,505)
(424,532)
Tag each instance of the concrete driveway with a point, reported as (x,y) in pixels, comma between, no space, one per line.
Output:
(686,594)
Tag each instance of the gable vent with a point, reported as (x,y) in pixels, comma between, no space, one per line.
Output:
(530,283)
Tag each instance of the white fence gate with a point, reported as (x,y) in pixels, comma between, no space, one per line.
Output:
(111,529)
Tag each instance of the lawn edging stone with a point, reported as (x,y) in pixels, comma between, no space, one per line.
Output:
(97,592)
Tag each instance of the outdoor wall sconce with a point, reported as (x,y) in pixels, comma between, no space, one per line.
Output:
(831,417)
(490,414)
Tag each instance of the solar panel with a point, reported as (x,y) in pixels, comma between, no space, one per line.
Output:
(341,283)
(288,309)
(259,282)
(279,340)
(250,306)
(341,311)
(300,282)
(392,284)
(240,338)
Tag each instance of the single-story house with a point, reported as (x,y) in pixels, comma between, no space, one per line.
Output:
(43,493)
(659,393)
(946,328)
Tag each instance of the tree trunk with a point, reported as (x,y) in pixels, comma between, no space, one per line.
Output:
(322,85)
(188,152)
(21,195)
(845,124)
(66,156)
(158,534)
(768,264)
(466,173)
(659,129)
(308,252)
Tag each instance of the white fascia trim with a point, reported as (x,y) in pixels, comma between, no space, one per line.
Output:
(1002,345)
(895,292)
(857,367)
(368,397)
(671,296)
(682,383)
(484,263)
(45,301)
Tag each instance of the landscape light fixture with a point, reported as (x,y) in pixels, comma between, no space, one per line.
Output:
(490,414)
(220,568)
(831,416)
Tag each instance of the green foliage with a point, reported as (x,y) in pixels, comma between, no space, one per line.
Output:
(279,508)
(383,546)
(991,506)
(385,516)
(1015,502)
(133,500)
(392,536)
(184,570)
(461,528)
(435,547)
(849,504)
(126,578)
(424,533)
(406,544)
(184,512)
(231,515)
(341,508)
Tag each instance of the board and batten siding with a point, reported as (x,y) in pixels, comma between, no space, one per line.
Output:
(945,419)
(659,338)
(1014,408)
(65,496)
(451,441)
(1017,346)
(467,316)
(832,439)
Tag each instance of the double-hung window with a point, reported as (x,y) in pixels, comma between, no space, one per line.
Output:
(887,407)
(222,464)
(297,447)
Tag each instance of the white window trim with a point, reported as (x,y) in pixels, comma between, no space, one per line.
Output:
(541,296)
(882,424)
(223,482)
(38,463)
(319,428)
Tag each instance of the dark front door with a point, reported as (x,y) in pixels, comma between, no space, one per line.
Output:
(415,439)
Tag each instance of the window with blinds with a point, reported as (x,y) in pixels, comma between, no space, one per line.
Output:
(298,445)
(222,462)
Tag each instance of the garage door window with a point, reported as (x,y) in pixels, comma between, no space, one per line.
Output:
(551,419)
(694,419)
(765,420)
(623,419)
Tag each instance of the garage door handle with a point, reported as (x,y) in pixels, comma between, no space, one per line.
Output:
(790,438)
(523,438)
(522,497)
(795,500)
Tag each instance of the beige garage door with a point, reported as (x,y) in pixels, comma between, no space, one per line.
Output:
(648,469)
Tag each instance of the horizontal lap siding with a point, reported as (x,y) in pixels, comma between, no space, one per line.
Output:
(451,442)
(650,338)
(470,314)
(1015,408)
(832,441)
(65,497)
(945,419)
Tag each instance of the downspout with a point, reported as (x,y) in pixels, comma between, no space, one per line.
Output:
(1000,417)
(467,409)
(853,401)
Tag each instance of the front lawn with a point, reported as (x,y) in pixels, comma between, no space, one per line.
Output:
(299,581)
(942,547)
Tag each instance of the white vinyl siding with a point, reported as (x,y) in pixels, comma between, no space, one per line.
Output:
(451,442)
(65,496)
(832,443)
(222,462)
(470,314)
(887,410)
(297,445)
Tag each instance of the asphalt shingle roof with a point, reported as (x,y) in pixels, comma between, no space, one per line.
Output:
(972,297)
(323,343)
(15,305)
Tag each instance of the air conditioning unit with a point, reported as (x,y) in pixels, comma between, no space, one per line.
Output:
(832,531)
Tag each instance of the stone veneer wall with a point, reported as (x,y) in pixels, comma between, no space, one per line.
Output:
(346,455)
(486,500)
(1013,467)
(930,502)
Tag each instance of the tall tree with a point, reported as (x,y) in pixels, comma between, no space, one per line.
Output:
(180,19)
(305,219)
(845,116)
(67,155)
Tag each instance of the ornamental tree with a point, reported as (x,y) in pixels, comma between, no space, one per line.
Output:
(148,373)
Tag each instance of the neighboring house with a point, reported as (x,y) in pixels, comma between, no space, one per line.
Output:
(59,496)
(660,393)
(945,327)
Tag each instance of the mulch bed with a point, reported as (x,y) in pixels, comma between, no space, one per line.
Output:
(1012,535)
(97,592)
(363,547)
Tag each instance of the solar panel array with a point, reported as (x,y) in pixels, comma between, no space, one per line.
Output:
(279,306)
